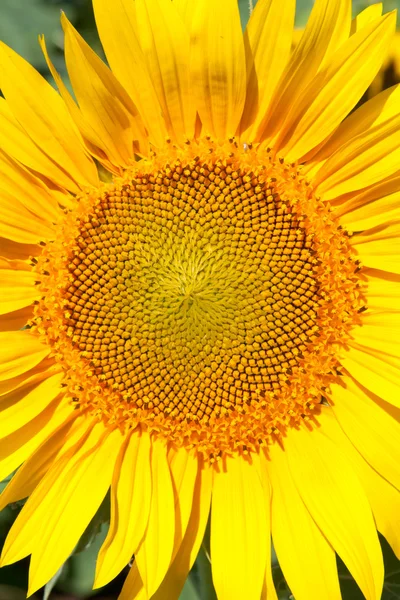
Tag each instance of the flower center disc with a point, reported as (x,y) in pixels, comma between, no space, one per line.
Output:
(196,291)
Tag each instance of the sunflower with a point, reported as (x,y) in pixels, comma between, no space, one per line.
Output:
(210,328)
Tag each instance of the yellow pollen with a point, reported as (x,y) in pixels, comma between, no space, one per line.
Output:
(203,296)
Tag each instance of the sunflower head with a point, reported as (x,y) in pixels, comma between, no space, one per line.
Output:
(201,280)
(198,296)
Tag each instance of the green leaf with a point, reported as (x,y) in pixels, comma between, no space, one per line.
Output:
(78,574)
(202,575)
(281,586)
(303,9)
(189,591)
(5,482)
(245,8)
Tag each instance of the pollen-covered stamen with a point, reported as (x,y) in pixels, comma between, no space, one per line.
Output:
(204,297)
(192,290)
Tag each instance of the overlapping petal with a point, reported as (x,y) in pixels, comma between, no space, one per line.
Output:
(105,105)
(44,116)
(130,506)
(300,545)
(239,532)
(217,65)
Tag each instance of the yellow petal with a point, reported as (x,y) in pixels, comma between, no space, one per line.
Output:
(380,109)
(371,429)
(30,190)
(373,214)
(335,34)
(385,503)
(269,591)
(20,406)
(93,142)
(71,493)
(17,282)
(327,28)
(19,266)
(268,41)
(366,16)
(46,368)
(133,586)
(383,291)
(40,110)
(177,573)
(14,250)
(364,160)
(380,332)
(20,541)
(165,45)
(17,447)
(379,247)
(159,537)
(217,64)
(300,546)
(19,352)
(104,103)
(18,224)
(371,207)
(70,433)
(383,498)
(338,504)
(15,141)
(335,90)
(378,372)
(185,9)
(192,509)
(184,466)
(239,531)
(36,466)
(118,32)
(16,319)
(130,506)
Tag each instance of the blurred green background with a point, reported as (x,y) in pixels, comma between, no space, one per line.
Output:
(20,23)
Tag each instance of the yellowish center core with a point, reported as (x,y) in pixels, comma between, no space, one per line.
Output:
(203,297)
